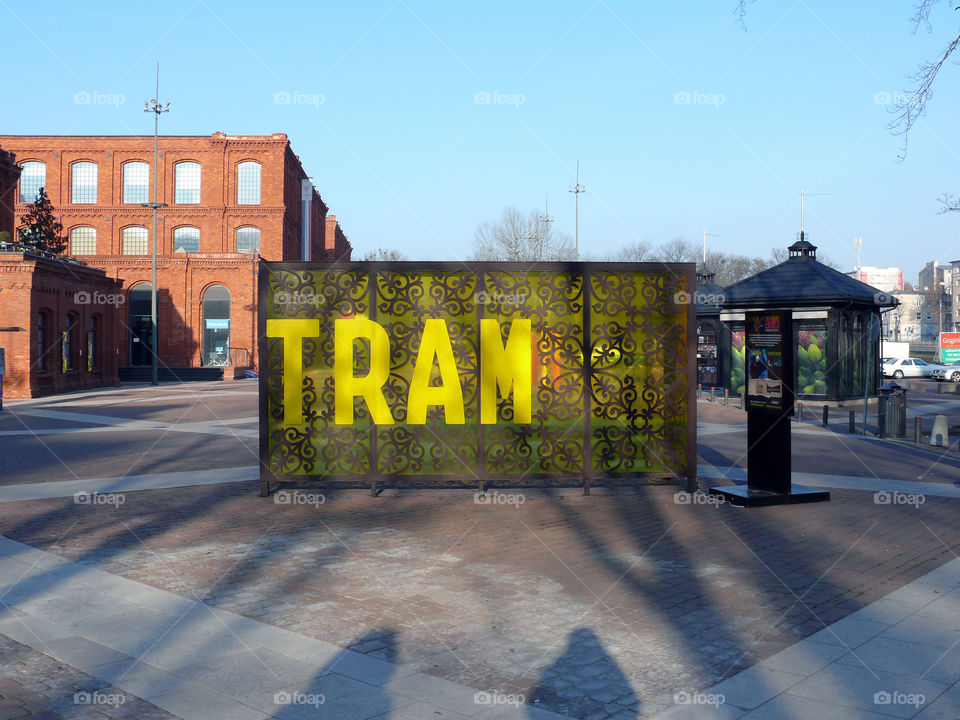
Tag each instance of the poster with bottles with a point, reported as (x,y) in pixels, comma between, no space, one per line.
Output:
(764,347)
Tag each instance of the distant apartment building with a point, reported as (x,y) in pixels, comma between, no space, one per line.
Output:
(886,279)
(230,200)
(920,316)
(935,275)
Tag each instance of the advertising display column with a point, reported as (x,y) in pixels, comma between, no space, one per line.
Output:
(769,372)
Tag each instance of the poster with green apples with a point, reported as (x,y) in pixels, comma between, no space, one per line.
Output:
(812,361)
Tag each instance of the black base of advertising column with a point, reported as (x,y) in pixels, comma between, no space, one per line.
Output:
(770,393)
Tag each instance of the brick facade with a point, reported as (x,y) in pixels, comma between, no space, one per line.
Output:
(288,204)
(54,297)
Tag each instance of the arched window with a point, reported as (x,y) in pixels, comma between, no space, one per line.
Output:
(83,183)
(33,176)
(248,240)
(136,182)
(186,240)
(248,183)
(133,241)
(186,183)
(216,326)
(83,241)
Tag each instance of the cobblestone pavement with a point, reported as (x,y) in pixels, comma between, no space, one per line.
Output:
(597,607)
(34,685)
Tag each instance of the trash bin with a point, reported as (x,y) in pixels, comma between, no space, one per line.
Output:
(892,405)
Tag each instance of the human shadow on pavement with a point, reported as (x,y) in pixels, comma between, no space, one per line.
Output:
(335,691)
(584,662)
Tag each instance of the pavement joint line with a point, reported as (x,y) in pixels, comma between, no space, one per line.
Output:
(95,656)
(112,422)
(840,482)
(128,483)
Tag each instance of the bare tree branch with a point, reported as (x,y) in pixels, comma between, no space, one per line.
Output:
(913,105)
(948,204)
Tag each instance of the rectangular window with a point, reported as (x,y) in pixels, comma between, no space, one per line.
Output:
(92,345)
(42,341)
(33,176)
(186,240)
(68,343)
(187,184)
(133,241)
(83,241)
(84,184)
(136,183)
(248,183)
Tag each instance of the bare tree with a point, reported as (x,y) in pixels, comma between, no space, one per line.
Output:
(676,251)
(634,252)
(524,238)
(385,255)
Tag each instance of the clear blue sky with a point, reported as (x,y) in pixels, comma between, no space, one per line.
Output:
(405,156)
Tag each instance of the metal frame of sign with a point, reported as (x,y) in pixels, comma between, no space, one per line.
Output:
(635,406)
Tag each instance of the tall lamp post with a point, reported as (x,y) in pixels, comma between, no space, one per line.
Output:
(156,107)
(577,190)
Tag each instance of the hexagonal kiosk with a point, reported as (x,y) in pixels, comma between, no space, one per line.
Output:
(837,352)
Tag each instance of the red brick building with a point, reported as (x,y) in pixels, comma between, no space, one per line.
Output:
(231,200)
(61,323)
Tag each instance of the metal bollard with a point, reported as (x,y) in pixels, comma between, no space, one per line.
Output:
(726,396)
(853,422)
(916,430)
(799,412)
(713,394)
(743,401)
(826,416)
(881,425)
(699,390)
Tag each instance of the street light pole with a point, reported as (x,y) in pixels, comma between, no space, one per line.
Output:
(577,190)
(156,108)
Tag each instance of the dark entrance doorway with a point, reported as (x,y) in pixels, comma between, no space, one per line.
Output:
(139,323)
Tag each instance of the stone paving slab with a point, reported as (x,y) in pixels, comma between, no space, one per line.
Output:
(230,673)
(876,676)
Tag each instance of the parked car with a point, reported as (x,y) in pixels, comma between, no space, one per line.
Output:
(946,372)
(908,367)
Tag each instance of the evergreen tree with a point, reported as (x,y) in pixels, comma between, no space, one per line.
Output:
(41,231)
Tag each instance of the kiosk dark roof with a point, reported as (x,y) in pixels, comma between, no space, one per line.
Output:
(803,281)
